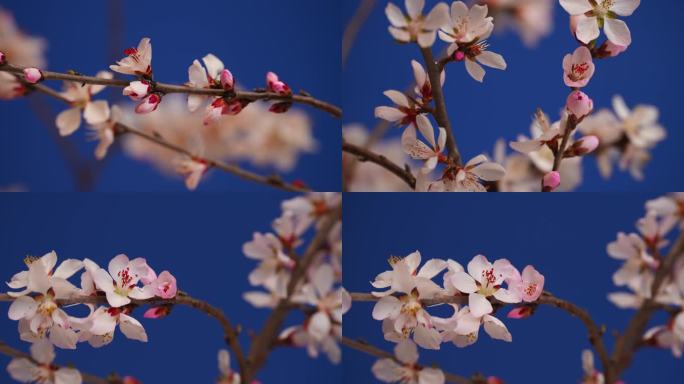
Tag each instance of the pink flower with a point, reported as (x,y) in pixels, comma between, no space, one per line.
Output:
(138,61)
(220,107)
(532,284)
(137,90)
(32,75)
(583,146)
(149,103)
(165,285)
(275,85)
(517,312)
(579,104)
(551,181)
(227,80)
(578,68)
(157,312)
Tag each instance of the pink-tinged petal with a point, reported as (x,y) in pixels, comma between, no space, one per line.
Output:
(418,73)
(491,59)
(224,362)
(157,312)
(478,266)
(22,308)
(507,296)
(68,121)
(19,280)
(23,370)
(617,32)
(397,98)
(579,104)
(146,292)
(533,284)
(43,352)
(625,7)
(68,268)
(489,171)
(466,323)
(496,329)
(115,300)
(389,113)
(427,338)
(117,264)
(463,282)
(445,37)
(519,313)
(431,268)
(400,35)
(102,280)
(620,107)
(38,280)
(431,376)
(227,80)
(32,75)
(406,351)
(576,7)
(437,18)
(395,15)
(441,140)
(63,338)
(386,307)
(68,376)
(475,70)
(551,181)
(414,8)
(426,129)
(214,65)
(387,370)
(319,325)
(587,30)
(132,328)
(479,305)
(197,75)
(149,104)
(526,146)
(166,285)
(430,164)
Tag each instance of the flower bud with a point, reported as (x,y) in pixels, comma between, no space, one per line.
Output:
(614,49)
(520,312)
(32,75)
(579,104)
(585,145)
(149,103)
(157,312)
(3,58)
(137,90)
(227,80)
(551,181)
(275,85)
(459,55)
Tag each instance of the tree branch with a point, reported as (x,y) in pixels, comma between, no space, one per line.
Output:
(367,155)
(172,88)
(273,181)
(352,30)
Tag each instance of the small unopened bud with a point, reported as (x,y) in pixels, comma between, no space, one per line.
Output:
(149,103)
(520,312)
(459,55)
(227,80)
(3,58)
(583,146)
(137,90)
(551,181)
(280,107)
(32,75)
(579,104)
(157,312)
(275,85)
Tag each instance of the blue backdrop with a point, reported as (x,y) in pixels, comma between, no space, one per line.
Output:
(503,106)
(297,39)
(198,238)
(563,236)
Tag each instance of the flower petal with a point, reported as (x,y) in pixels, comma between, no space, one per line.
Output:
(617,32)
(68,121)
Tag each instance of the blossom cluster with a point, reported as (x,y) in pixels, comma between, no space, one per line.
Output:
(24,50)
(642,254)
(319,292)
(41,297)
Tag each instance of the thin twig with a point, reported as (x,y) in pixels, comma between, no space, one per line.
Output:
(377,352)
(172,88)
(262,343)
(87,378)
(352,30)
(273,181)
(367,155)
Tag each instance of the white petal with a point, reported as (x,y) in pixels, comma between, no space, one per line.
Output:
(224,362)
(576,7)
(395,15)
(68,376)
(389,114)
(23,370)
(96,112)
(625,7)
(102,279)
(213,64)
(479,305)
(385,307)
(319,325)
(489,171)
(617,32)
(526,146)
(426,39)
(117,264)
(68,268)
(431,268)
(414,8)
(507,296)
(22,307)
(397,97)
(400,34)
(426,129)
(115,300)
(43,351)
(437,18)
(132,328)
(491,59)
(463,282)
(63,338)
(431,376)
(407,352)
(418,73)
(427,338)
(475,70)
(587,29)
(68,121)
(387,370)
(620,107)
(496,329)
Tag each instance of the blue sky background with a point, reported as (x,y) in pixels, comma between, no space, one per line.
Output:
(648,73)
(297,39)
(563,236)
(198,238)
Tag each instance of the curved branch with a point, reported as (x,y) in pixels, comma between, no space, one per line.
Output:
(87,378)
(377,352)
(273,181)
(367,155)
(182,298)
(352,30)
(172,88)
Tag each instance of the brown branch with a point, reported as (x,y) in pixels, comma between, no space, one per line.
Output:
(560,153)
(440,112)
(367,155)
(627,344)
(87,378)
(377,352)
(182,298)
(273,181)
(352,30)
(172,88)
(262,343)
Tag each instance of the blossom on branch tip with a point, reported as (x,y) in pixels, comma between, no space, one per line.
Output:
(80,99)
(583,146)
(39,368)
(639,124)
(211,76)
(138,61)
(415,148)
(3,58)
(601,13)
(551,181)
(275,85)
(579,104)
(120,283)
(578,68)
(137,90)
(404,113)
(404,368)
(32,75)
(414,26)
(165,285)
(543,134)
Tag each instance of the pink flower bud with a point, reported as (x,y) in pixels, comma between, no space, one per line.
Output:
(137,90)
(520,312)
(587,144)
(275,85)
(579,104)
(3,58)
(494,380)
(165,285)
(149,103)
(220,107)
(459,55)
(32,75)
(130,380)
(551,181)
(157,312)
(280,107)
(614,49)
(227,80)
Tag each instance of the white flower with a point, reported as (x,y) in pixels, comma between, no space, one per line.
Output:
(98,328)
(205,78)
(632,249)
(80,98)
(468,178)
(40,276)
(467,26)
(40,369)
(415,27)
(405,111)
(405,276)
(105,132)
(641,124)
(463,328)
(313,204)
(39,316)
(419,150)
(138,60)
(404,369)
(274,267)
(120,284)
(328,302)
(299,337)
(670,207)
(483,280)
(542,133)
(602,13)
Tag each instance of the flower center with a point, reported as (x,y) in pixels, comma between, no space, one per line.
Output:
(133,54)
(578,71)
(531,289)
